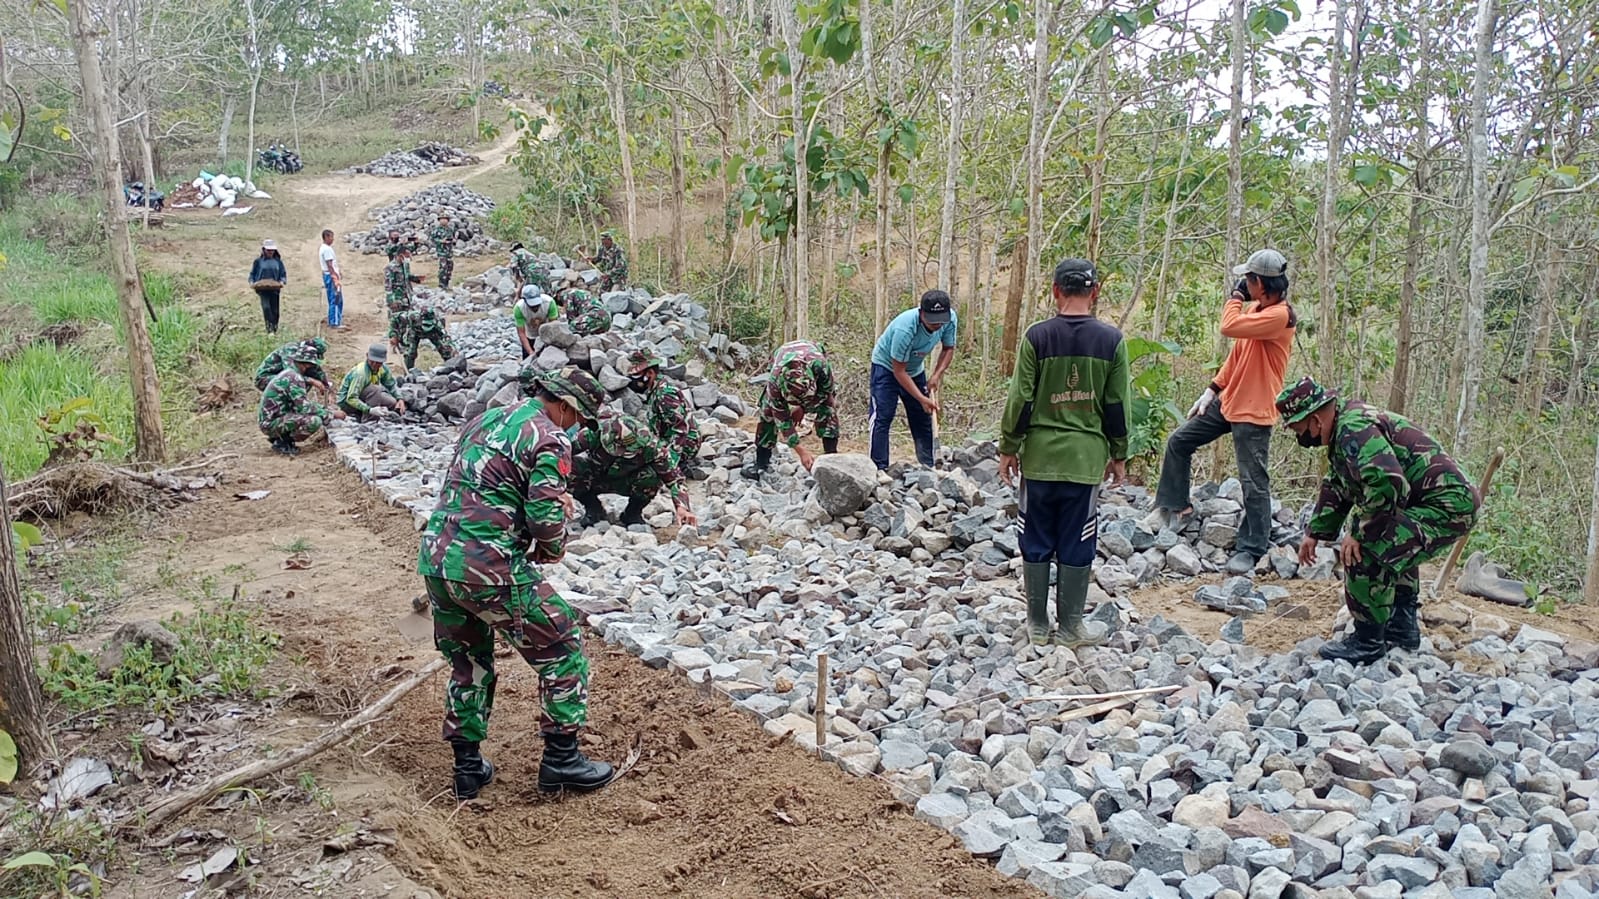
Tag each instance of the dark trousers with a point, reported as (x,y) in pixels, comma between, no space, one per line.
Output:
(1060,522)
(887,394)
(1252,445)
(269,308)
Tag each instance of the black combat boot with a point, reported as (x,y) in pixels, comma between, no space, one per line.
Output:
(1404,627)
(1035,581)
(763,460)
(593,512)
(286,447)
(1367,644)
(472,770)
(565,767)
(634,513)
(829,445)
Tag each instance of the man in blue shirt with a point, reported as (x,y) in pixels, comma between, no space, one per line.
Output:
(899,374)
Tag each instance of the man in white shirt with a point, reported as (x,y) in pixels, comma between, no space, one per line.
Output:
(332,280)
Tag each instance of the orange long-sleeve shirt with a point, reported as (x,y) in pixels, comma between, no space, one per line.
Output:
(1252,376)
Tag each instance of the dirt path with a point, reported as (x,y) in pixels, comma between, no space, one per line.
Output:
(716,808)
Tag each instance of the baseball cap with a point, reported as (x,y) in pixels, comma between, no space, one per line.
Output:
(1266,263)
(377,352)
(1296,403)
(1076,274)
(269,244)
(935,307)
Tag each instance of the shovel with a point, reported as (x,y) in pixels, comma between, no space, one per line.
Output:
(417,624)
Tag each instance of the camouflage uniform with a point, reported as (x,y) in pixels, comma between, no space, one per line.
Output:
(672,419)
(278,360)
(413,326)
(530,269)
(621,455)
(585,313)
(443,238)
(612,263)
(801,381)
(1409,499)
(499,512)
(396,246)
(397,285)
(287,413)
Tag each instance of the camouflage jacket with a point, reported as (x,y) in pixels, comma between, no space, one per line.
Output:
(1378,464)
(443,238)
(360,378)
(278,360)
(801,381)
(530,269)
(397,285)
(585,313)
(672,418)
(620,441)
(500,504)
(612,262)
(401,321)
(287,393)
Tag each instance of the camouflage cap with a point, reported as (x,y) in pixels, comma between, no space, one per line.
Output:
(573,386)
(616,432)
(304,353)
(641,360)
(1296,403)
(318,344)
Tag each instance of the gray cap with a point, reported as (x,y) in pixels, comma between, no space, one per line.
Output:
(377,352)
(1266,263)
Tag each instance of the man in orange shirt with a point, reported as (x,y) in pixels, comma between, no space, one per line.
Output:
(1261,323)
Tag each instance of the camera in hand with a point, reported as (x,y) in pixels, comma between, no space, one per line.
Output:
(1242,287)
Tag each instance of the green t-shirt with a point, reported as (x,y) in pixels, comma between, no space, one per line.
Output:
(1066,415)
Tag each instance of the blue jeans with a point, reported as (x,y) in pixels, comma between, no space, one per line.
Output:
(335,301)
(887,394)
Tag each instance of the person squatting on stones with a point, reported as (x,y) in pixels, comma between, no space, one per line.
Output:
(443,236)
(502,513)
(621,455)
(1261,323)
(397,280)
(268,277)
(332,279)
(586,314)
(527,269)
(279,360)
(287,414)
(612,263)
(670,414)
(1065,431)
(800,384)
(1410,501)
(369,389)
(899,375)
(410,327)
(532,309)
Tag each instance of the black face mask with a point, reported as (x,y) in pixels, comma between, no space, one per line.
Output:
(642,385)
(1308,440)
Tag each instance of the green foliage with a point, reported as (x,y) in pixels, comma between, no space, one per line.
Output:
(8,758)
(42,377)
(58,869)
(1152,411)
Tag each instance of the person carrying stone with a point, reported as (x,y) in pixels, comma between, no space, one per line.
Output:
(369,389)
(800,383)
(279,360)
(670,414)
(409,328)
(586,314)
(501,515)
(443,236)
(612,263)
(533,308)
(1064,431)
(527,268)
(1261,323)
(899,374)
(287,414)
(621,455)
(1409,501)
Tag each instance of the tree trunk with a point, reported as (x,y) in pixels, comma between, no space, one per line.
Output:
(149,444)
(1096,163)
(1157,325)
(788,12)
(1590,589)
(874,88)
(1032,246)
(974,269)
(1327,214)
(1009,337)
(613,80)
(1579,343)
(1477,264)
(952,146)
(679,189)
(988,307)
(22,700)
(1399,390)
(229,102)
(1537,350)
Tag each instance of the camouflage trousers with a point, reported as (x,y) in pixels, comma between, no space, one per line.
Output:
(411,343)
(295,426)
(622,479)
(766,431)
(594,320)
(537,623)
(1392,548)
(446,271)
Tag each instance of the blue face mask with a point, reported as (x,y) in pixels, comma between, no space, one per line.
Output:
(573,431)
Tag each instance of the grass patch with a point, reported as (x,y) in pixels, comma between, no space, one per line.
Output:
(41,378)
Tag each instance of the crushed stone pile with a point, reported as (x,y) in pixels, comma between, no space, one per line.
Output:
(429,157)
(418,212)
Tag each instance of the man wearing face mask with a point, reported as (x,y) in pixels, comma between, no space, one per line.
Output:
(1409,501)
(670,414)
(1261,323)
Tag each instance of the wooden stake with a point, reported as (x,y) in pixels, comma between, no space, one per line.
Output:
(1460,545)
(821,700)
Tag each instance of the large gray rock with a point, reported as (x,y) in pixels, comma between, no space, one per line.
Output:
(843,482)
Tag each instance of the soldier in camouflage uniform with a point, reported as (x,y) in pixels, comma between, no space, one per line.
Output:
(278,360)
(671,415)
(622,455)
(443,236)
(409,328)
(411,244)
(527,269)
(397,280)
(585,313)
(1410,503)
(501,513)
(612,263)
(801,382)
(287,414)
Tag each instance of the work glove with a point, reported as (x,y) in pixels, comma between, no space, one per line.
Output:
(1202,405)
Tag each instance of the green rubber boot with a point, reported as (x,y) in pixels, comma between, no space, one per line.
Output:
(1035,580)
(1071,594)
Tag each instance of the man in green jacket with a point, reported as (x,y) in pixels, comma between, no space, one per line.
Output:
(369,389)
(1065,431)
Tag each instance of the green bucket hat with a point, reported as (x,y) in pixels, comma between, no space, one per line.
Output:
(572,385)
(305,353)
(1296,403)
(318,344)
(640,361)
